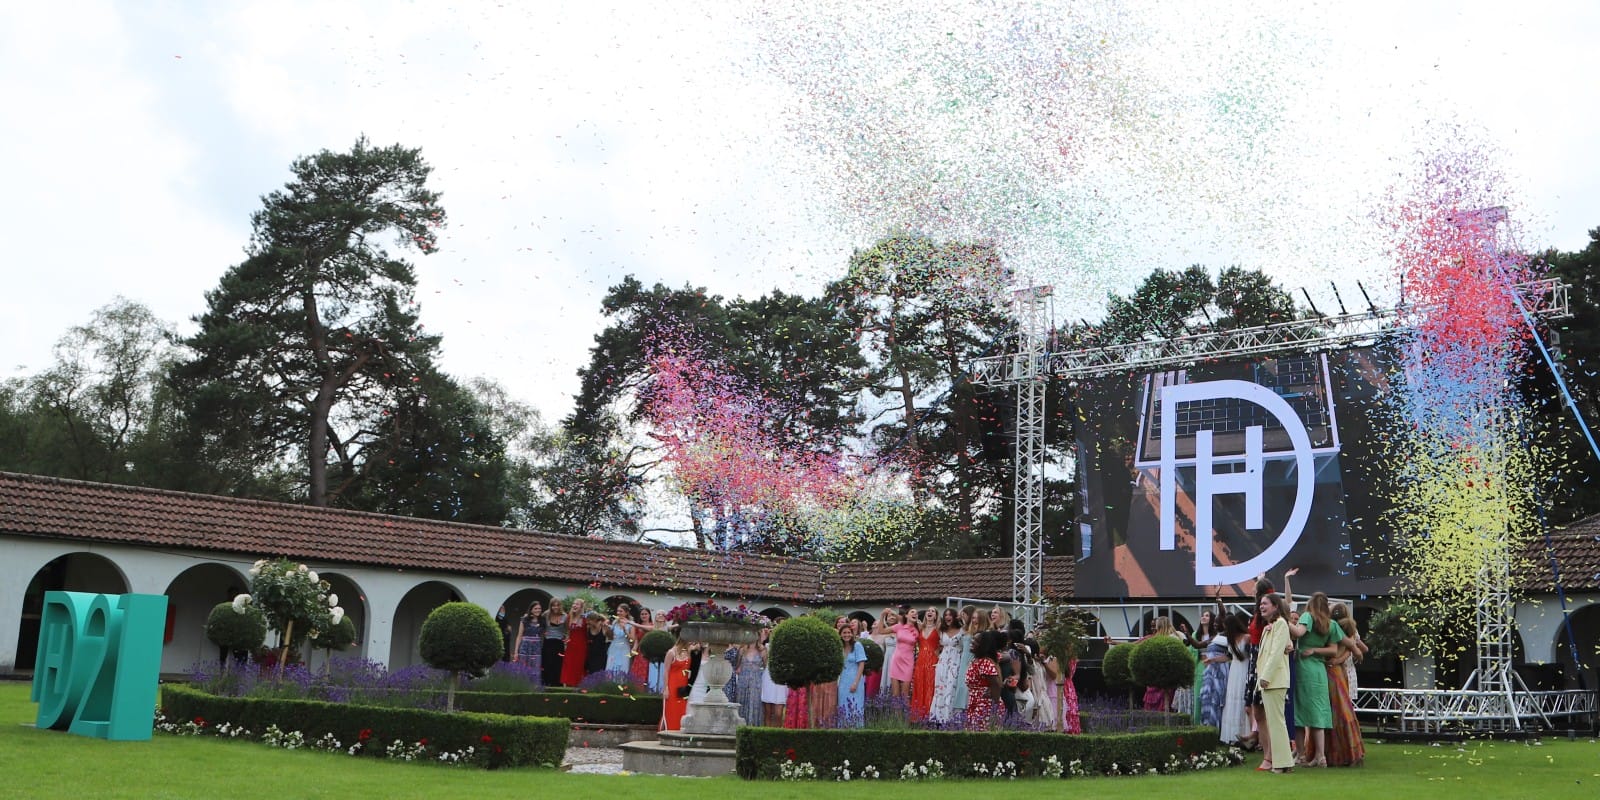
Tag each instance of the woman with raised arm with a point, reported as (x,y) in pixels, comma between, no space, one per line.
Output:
(926,665)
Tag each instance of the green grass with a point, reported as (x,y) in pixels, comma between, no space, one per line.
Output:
(47,764)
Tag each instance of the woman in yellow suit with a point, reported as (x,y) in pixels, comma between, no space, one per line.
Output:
(1272,680)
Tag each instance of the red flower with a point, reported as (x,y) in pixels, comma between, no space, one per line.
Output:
(201,721)
(497,750)
(790,753)
(423,742)
(366,733)
(486,739)
(1025,753)
(1180,741)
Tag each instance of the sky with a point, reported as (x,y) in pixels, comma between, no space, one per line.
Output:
(750,147)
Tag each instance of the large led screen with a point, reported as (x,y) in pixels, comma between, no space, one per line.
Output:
(1281,451)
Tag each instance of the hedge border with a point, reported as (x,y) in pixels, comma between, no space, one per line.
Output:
(514,741)
(759,752)
(592,707)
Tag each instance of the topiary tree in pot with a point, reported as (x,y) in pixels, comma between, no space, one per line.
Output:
(656,645)
(238,629)
(804,650)
(460,638)
(1164,662)
(1114,668)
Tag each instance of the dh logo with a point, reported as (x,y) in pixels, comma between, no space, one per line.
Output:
(1209,483)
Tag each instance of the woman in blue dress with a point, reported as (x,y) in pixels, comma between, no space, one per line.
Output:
(619,652)
(852,681)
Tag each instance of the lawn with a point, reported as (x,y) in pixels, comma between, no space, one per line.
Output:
(46,764)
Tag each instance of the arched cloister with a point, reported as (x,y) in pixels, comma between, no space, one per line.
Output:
(356,608)
(775,614)
(190,597)
(1583,672)
(512,611)
(405,638)
(72,572)
(633,605)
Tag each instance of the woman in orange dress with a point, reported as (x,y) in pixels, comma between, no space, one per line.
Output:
(927,665)
(572,663)
(675,700)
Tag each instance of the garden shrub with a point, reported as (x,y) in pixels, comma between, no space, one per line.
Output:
(761,752)
(1163,661)
(804,650)
(460,638)
(507,741)
(235,631)
(874,653)
(1115,667)
(656,644)
(337,637)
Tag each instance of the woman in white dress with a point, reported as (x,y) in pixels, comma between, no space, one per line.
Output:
(1235,725)
(947,673)
(883,632)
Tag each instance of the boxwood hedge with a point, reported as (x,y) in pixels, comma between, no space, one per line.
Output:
(513,741)
(761,751)
(598,708)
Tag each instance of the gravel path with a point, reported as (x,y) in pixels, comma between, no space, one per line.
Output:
(593,760)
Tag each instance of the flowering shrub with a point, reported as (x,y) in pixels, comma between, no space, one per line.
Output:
(611,682)
(797,771)
(294,599)
(709,611)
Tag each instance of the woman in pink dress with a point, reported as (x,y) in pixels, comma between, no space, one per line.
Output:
(905,653)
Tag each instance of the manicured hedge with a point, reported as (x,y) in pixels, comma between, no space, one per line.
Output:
(514,741)
(761,751)
(601,709)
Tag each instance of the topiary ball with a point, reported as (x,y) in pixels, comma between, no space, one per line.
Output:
(1114,667)
(804,650)
(461,637)
(874,653)
(656,645)
(339,637)
(236,632)
(1163,661)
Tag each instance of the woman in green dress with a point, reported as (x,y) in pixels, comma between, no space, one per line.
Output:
(1313,711)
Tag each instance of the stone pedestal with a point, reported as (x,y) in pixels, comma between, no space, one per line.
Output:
(705,746)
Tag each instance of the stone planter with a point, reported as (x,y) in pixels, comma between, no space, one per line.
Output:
(716,715)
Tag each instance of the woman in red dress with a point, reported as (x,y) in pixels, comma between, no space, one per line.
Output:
(983,682)
(927,665)
(572,663)
(675,698)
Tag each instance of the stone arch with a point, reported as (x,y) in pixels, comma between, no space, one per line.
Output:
(405,637)
(775,614)
(633,605)
(354,602)
(191,595)
(866,619)
(1582,672)
(72,572)
(514,607)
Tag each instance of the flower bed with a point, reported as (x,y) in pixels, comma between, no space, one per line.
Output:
(776,753)
(410,734)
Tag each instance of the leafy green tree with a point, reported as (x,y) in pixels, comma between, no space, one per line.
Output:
(1575,343)
(312,343)
(1168,304)
(459,638)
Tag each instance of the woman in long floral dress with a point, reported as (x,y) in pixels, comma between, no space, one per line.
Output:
(530,637)
(1345,747)
(1214,683)
(1070,723)
(983,682)
(752,666)
(947,671)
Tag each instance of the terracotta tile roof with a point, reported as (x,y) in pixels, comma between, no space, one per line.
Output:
(58,508)
(1577,552)
(919,581)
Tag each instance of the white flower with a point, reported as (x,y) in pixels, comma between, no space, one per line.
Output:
(254,571)
(333,601)
(242,599)
(288,573)
(303,568)
(237,607)
(312,575)
(338,615)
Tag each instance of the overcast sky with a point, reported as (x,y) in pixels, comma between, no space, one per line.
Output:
(578,145)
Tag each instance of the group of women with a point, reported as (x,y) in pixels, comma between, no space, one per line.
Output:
(968,666)
(1266,674)
(567,645)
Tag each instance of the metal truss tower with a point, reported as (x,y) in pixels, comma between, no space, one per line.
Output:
(1029,375)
